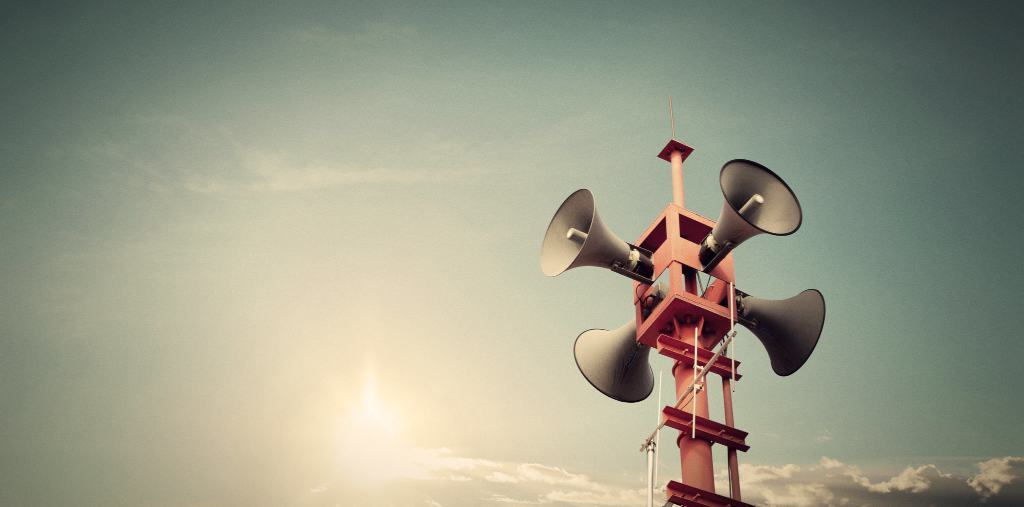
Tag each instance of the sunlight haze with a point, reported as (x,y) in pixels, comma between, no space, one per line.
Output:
(287,253)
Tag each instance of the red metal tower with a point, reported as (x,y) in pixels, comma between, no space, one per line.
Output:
(686,327)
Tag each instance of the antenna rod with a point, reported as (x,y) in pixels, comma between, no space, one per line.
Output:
(671,117)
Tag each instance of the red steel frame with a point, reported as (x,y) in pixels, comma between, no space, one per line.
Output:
(686,314)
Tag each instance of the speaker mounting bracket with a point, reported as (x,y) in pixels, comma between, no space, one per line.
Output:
(726,248)
(633,275)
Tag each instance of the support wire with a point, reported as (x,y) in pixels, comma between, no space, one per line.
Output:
(732,329)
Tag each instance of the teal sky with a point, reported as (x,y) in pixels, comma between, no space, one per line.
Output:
(232,233)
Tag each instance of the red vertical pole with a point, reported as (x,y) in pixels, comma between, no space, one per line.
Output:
(677,178)
(694,453)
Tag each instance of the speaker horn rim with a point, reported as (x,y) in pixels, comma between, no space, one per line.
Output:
(824,310)
(649,367)
(591,201)
(777,177)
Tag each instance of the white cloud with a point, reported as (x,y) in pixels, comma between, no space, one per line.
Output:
(760,481)
(995,473)
(553,475)
(500,477)
(912,479)
(441,459)
(834,483)
(532,483)
(505,499)
(459,481)
(754,474)
(799,495)
(622,497)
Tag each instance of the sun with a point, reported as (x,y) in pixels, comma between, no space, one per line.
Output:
(370,440)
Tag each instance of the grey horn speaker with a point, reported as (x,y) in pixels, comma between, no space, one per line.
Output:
(788,328)
(756,201)
(614,363)
(577,237)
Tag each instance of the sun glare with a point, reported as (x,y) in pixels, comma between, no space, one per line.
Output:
(370,440)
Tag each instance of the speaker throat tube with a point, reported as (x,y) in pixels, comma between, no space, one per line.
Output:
(709,248)
(637,263)
(640,264)
(576,236)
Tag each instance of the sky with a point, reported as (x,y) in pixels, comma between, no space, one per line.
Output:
(287,253)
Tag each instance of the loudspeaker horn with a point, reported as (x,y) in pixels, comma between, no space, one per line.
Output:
(613,361)
(577,237)
(756,201)
(788,328)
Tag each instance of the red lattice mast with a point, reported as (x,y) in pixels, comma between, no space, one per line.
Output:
(685,326)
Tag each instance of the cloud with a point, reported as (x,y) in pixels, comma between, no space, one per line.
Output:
(995,473)
(441,459)
(913,479)
(442,477)
(759,481)
(500,477)
(616,497)
(505,499)
(427,473)
(754,474)
(553,475)
(800,495)
(832,482)
(621,497)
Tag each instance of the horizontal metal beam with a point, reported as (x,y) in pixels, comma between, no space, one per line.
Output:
(683,352)
(696,380)
(707,429)
(689,496)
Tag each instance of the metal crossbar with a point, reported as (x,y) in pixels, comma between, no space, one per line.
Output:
(698,378)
